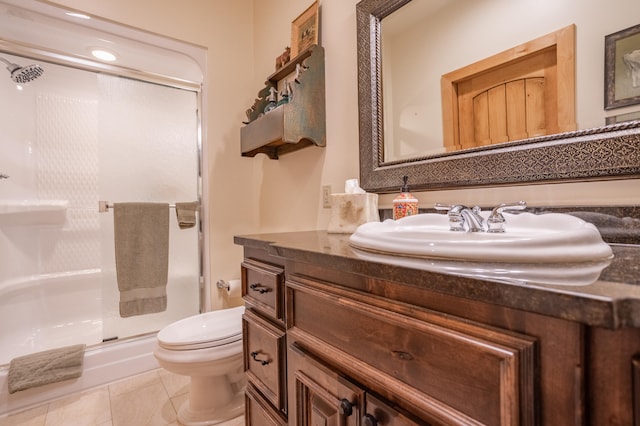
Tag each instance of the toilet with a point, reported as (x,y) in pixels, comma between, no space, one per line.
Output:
(208,348)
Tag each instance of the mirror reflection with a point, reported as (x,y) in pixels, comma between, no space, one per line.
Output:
(424,40)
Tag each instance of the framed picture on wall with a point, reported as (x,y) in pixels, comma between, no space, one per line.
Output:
(622,68)
(304,30)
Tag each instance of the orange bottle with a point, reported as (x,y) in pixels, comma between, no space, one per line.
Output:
(404,204)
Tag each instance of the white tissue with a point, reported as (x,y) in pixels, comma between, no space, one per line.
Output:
(230,293)
(235,288)
(351,186)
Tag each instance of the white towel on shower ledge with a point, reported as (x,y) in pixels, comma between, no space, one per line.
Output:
(141,233)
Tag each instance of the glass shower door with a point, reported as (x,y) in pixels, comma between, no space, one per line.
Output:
(148,152)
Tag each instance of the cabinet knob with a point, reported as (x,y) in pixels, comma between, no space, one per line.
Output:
(346,408)
(369,420)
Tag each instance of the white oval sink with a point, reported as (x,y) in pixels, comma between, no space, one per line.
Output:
(561,274)
(529,238)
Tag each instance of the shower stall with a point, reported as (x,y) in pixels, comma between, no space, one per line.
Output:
(75,131)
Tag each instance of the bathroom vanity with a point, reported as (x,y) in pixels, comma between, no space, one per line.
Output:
(335,337)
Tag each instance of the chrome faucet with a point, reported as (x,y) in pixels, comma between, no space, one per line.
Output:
(463,218)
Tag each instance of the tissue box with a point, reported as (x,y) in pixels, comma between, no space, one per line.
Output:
(348,211)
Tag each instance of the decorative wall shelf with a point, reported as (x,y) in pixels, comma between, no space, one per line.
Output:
(296,124)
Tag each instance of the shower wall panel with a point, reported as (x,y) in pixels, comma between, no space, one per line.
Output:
(66,153)
(72,138)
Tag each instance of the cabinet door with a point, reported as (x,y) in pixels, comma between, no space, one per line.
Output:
(613,388)
(321,397)
(258,412)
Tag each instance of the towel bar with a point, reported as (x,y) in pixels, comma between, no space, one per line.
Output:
(104,206)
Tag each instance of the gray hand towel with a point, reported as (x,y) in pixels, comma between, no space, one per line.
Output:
(186,214)
(42,368)
(141,232)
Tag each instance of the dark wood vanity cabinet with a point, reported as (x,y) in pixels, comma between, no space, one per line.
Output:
(353,349)
(264,343)
(417,365)
(444,369)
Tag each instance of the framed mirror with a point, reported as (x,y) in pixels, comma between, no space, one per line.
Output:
(607,152)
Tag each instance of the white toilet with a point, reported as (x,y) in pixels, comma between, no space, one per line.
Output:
(208,348)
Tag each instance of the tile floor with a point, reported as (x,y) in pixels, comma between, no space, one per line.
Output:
(148,399)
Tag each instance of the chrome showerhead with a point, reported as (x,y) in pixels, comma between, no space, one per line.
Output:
(26,74)
(23,74)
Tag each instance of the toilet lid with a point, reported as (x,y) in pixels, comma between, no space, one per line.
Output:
(211,329)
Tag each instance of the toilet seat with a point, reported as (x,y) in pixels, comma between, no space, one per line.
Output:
(208,330)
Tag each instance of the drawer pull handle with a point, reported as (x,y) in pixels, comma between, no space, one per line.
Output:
(259,288)
(346,408)
(369,420)
(255,354)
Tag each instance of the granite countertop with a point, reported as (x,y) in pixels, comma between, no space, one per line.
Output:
(598,294)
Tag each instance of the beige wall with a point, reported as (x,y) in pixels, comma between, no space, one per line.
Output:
(260,195)
(290,197)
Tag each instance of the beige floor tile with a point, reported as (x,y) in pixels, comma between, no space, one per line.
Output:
(175,384)
(134,382)
(33,417)
(238,421)
(178,400)
(143,406)
(88,408)
(148,399)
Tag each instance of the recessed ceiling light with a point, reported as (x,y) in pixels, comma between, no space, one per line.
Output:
(103,55)
(78,15)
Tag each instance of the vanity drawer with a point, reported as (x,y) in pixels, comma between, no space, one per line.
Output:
(434,364)
(265,358)
(263,287)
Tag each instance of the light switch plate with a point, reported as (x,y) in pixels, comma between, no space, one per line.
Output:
(326,196)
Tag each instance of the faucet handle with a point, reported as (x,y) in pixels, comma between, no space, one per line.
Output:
(456,221)
(443,206)
(496,221)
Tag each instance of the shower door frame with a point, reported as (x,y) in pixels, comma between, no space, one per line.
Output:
(69,60)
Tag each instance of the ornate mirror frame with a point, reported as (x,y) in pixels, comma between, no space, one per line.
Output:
(608,152)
